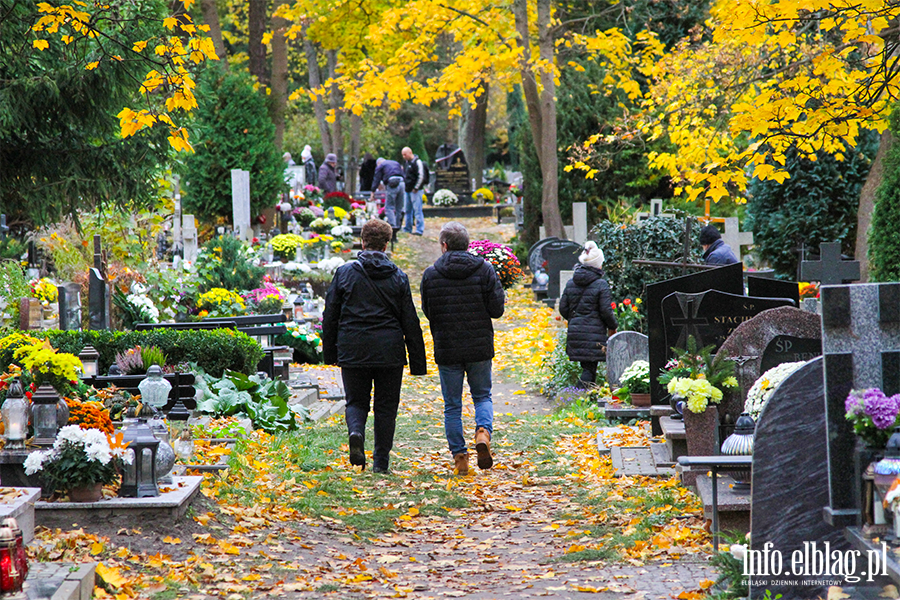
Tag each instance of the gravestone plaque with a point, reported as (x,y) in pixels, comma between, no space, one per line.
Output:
(69,306)
(861,349)
(748,343)
(622,349)
(579,222)
(709,316)
(240,204)
(831,268)
(452,173)
(766,287)
(560,255)
(790,478)
(728,279)
(98,300)
(787,348)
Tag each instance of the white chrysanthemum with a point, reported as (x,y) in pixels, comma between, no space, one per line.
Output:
(330,265)
(72,434)
(34,462)
(764,387)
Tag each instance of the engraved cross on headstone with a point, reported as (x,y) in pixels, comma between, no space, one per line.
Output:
(688,322)
(830,269)
(734,237)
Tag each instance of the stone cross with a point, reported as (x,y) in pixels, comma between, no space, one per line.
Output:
(656,210)
(734,237)
(688,322)
(240,204)
(861,349)
(579,222)
(830,269)
(189,233)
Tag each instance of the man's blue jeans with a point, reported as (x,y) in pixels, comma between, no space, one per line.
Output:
(413,210)
(479,376)
(393,204)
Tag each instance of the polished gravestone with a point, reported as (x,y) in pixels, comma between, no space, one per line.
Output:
(748,344)
(787,348)
(766,287)
(790,476)
(729,279)
(560,255)
(861,348)
(622,349)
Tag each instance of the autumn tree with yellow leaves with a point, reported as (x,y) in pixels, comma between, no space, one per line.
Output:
(760,80)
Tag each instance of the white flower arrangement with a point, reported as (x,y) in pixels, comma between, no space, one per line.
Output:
(330,265)
(444,198)
(79,457)
(295,266)
(323,224)
(145,304)
(763,387)
(344,231)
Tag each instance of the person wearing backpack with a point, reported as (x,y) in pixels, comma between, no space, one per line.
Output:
(416,177)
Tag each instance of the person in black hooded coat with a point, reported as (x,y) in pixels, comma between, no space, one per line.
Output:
(369,325)
(586,304)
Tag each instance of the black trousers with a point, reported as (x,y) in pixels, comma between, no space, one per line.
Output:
(588,372)
(358,389)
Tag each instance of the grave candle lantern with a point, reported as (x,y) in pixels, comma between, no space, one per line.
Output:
(139,477)
(47,411)
(298,308)
(10,579)
(15,417)
(21,559)
(154,389)
(741,443)
(90,359)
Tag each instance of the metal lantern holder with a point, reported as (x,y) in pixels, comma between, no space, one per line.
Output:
(741,443)
(90,360)
(47,411)
(139,478)
(15,417)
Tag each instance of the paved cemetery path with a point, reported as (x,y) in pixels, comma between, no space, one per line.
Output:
(502,533)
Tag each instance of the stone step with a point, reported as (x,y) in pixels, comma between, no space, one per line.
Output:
(21,508)
(661,456)
(734,505)
(304,396)
(676,439)
(57,581)
(636,460)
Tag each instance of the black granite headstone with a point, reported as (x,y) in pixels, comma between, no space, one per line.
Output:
(453,175)
(788,348)
(69,306)
(536,260)
(709,316)
(766,287)
(98,300)
(790,479)
(728,279)
(560,255)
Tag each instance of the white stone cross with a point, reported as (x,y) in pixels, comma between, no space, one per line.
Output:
(734,237)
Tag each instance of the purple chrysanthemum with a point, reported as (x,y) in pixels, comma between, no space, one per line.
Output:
(881,409)
(853,404)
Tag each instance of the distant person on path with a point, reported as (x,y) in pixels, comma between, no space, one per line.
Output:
(586,304)
(288,160)
(328,175)
(389,173)
(415,181)
(461,293)
(369,325)
(309,165)
(715,250)
(367,173)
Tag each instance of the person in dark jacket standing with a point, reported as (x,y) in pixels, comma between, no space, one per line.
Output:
(415,181)
(328,174)
(586,304)
(715,250)
(461,293)
(389,173)
(369,318)
(309,165)
(367,173)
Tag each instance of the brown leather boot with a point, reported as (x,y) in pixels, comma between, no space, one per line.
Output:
(461,463)
(483,448)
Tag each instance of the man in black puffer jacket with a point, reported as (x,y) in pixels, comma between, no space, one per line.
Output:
(587,304)
(369,318)
(461,293)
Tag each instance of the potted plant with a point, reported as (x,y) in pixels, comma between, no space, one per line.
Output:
(81,462)
(635,387)
(873,415)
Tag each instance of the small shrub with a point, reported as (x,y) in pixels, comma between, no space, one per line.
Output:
(225,262)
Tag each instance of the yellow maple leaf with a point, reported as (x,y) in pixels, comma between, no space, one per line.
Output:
(92,66)
(41,44)
(96,548)
(706,584)
(170,540)
(251,577)
(170,22)
(111,575)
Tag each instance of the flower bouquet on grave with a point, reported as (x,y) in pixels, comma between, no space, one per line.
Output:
(635,388)
(873,415)
(628,315)
(81,462)
(763,388)
(445,198)
(696,377)
(501,256)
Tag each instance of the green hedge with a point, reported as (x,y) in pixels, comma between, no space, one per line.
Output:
(213,349)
